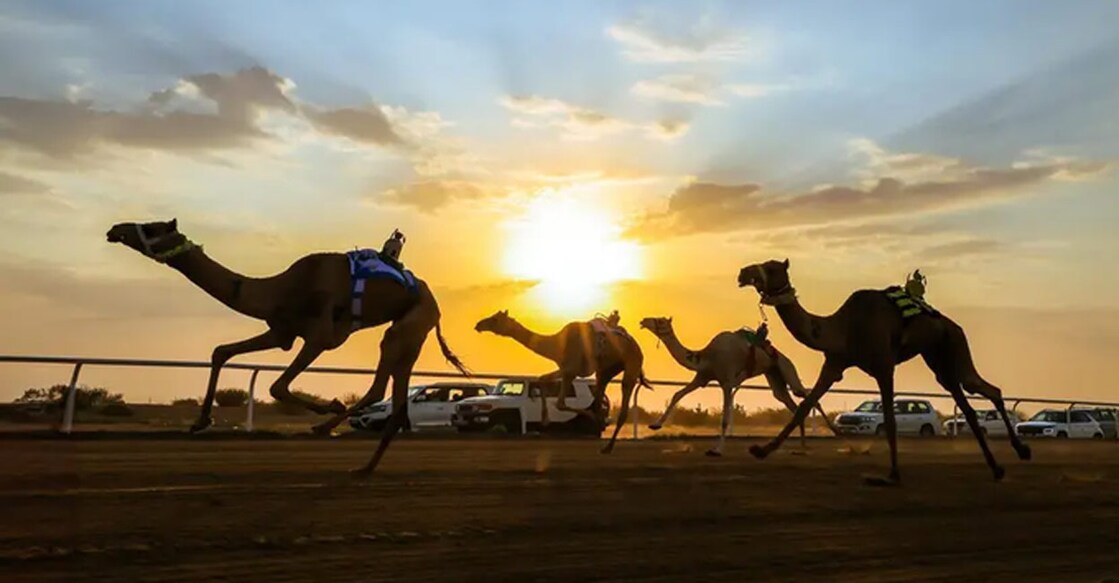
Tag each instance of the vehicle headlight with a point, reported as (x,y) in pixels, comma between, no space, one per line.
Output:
(378,408)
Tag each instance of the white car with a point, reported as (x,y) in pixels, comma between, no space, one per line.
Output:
(1062,423)
(515,407)
(429,406)
(990,423)
(913,416)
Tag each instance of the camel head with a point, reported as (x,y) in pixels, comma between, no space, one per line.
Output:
(158,240)
(769,278)
(499,323)
(659,326)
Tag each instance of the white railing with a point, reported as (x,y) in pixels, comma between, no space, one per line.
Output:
(79,362)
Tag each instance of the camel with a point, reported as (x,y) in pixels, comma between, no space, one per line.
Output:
(868,332)
(577,354)
(729,359)
(313,300)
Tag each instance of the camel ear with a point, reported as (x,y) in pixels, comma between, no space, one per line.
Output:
(786,263)
(670,319)
(174,224)
(504,312)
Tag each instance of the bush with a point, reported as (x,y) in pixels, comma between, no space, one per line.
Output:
(189,402)
(231,397)
(85,398)
(114,409)
(350,399)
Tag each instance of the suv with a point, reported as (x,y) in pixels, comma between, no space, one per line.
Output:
(913,416)
(515,406)
(1062,423)
(429,406)
(990,423)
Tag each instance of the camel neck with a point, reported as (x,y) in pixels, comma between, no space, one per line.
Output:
(809,329)
(684,356)
(543,345)
(236,291)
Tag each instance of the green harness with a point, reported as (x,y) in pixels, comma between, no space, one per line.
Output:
(909,305)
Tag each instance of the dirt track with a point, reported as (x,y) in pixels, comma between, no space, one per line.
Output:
(495,510)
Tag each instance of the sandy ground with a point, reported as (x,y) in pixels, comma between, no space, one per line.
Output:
(550,510)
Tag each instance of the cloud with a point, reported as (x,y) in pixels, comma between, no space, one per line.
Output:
(892,184)
(12,184)
(431,195)
(367,125)
(700,90)
(581,123)
(680,89)
(209,111)
(702,43)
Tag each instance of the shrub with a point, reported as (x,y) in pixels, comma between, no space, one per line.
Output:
(350,398)
(188,402)
(85,398)
(231,397)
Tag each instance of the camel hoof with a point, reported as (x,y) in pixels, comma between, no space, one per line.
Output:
(880,482)
(1025,453)
(999,472)
(759,451)
(655,427)
(361,473)
(713,453)
(607,449)
(323,430)
(201,425)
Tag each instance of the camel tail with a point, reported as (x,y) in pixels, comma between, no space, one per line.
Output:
(789,374)
(448,353)
(643,380)
(964,366)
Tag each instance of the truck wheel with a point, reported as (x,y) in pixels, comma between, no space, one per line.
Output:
(581,425)
(927,430)
(1097,436)
(880,430)
(508,422)
(1062,435)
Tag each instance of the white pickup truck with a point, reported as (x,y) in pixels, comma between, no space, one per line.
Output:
(514,406)
(913,416)
(429,406)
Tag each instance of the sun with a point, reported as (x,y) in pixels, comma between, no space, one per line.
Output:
(574,249)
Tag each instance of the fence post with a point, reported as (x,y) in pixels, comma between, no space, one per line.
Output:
(636,413)
(252,400)
(955,420)
(68,414)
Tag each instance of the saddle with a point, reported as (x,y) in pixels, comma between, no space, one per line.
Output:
(366,264)
(908,304)
(757,342)
(602,329)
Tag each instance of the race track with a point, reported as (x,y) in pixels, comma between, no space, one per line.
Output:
(552,510)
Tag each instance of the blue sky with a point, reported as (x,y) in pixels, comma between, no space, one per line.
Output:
(861,139)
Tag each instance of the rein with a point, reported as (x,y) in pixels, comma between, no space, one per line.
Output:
(149,244)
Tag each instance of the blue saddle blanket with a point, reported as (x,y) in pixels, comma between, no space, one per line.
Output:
(368,264)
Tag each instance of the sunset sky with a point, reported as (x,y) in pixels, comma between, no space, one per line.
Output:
(562,159)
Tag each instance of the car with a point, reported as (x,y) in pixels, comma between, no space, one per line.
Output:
(515,407)
(429,406)
(1107,420)
(913,416)
(1062,423)
(990,423)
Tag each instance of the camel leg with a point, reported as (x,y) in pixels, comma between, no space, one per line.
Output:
(781,392)
(696,383)
(977,386)
(376,390)
(629,382)
(279,390)
(400,379)
(550,377)
(886,388)
(220,356)
(788,373)
(973,423)
(404,347)
(830,373)
(728,410)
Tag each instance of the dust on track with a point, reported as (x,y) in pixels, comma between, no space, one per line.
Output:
(543,510)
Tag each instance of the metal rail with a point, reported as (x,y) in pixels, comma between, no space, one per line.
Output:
(78,362)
